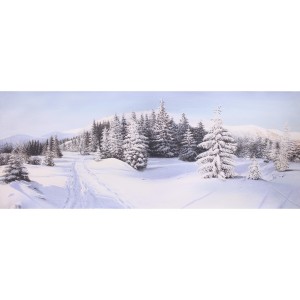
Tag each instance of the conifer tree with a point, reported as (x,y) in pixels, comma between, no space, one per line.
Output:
(123,127)
(105,144)
(163,134)
(217,160)
(94,138)
(115,140)
(199,134)
(135,147)
(84,147)
(49,156)
(188,148)
(254,170)
(182,128)
(15,170)
(98,155)
(56,149)
(282,158)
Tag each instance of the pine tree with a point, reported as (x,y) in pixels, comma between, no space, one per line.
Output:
(115,139)
(282,158)
(56,149)
(254,170)
(135,147)
(15,170)
(94,138)
(188,148)
(84,147)
(49,156)
(98,155)
(163,134)
(105,144)
(182,129)
(123,127)
(217,160)
(199,133)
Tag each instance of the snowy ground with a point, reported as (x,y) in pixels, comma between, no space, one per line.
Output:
(79,182)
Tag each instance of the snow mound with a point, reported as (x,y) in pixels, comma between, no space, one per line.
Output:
(111,164)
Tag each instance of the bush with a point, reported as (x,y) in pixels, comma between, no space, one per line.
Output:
(4,158)
(33,160)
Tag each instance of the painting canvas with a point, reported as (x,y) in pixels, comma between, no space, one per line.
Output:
(126,150)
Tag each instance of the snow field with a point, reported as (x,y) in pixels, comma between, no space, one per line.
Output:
(80,182)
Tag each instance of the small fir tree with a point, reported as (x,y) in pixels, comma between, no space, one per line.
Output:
(254,170)
(15,170)
(56,149)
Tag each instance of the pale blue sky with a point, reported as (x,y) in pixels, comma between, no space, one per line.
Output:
(37,113)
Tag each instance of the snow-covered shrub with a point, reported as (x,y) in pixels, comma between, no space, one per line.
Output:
(4,158)
(254,170)
(217,160)
(34,160)
(281,160)
(15,170)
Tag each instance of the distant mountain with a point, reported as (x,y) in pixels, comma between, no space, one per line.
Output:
(16,139)
(60,135)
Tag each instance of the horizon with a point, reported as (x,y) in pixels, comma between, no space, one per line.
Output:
(65,111)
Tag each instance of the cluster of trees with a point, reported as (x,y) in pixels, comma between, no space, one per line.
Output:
(134,139)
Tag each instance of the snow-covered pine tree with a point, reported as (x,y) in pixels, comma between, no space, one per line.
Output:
(183,126)
(15,170)
(84,147)
(199,133)
(49,156)
(188,147)
(105,144)
(45,147)
(135,147)
(115,139)
(98,155)
(56,149)
(94,138)
(254,170)
(282,158)
(274,150)
(163,134)
(123,127)
(217,160)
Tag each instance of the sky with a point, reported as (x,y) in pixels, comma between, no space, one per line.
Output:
(39,113)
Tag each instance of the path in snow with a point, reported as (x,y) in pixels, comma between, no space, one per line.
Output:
(86,191)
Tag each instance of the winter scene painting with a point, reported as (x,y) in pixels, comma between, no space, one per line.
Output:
(150,150)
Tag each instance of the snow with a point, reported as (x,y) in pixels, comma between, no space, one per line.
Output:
(80,182)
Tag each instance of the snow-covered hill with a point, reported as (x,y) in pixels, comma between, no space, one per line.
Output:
(16,139)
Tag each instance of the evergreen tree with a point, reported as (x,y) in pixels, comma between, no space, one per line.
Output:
(282,158)
(94,142)
(15,170)
(217,160)
(163,134)
(56,149)
(84,147)
(274,150)
(115,139)
(254,170)
(182,129)
(105,144)
(49,156)
(199,134)
(123,127)
(98,155)
(188,148)
(135,147)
